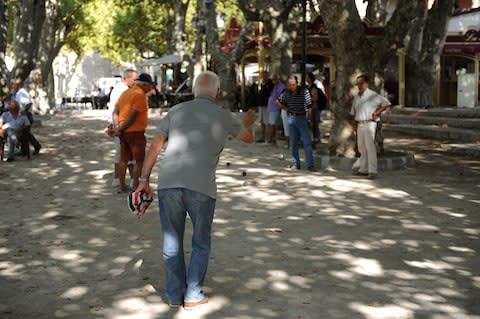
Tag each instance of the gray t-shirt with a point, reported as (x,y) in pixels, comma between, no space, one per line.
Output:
(196,132)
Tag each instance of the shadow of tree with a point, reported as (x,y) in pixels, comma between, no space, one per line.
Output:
(286,244)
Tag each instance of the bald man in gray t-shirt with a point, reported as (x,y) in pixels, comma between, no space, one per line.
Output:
(196,132)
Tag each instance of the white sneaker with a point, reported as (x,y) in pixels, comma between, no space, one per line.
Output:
(115,182)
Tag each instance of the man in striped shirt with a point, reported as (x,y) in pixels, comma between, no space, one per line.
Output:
(297,102)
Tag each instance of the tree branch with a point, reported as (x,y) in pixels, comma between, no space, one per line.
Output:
(397,28)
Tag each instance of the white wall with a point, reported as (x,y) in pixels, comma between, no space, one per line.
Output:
(464,22)
(78,77)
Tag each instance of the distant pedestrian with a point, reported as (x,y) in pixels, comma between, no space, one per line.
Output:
(273,109)
(319,101)
(297,101)
(131,119)
(366,109)
(25,103)
(266,86)
(196,132)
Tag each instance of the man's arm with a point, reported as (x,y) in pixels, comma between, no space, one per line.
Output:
(131,118)
(1,128)
(309,111)
(354,124)
(150,158)
(280,104)
(115,113)
(379,110)
(28,107)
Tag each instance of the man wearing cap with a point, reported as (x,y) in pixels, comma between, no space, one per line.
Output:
(130,118)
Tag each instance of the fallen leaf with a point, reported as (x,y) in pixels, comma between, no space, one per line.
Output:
(275,230)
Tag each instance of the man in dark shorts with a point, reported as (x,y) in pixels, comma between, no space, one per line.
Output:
(131,119)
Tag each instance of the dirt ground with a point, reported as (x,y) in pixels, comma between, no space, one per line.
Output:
(286,244)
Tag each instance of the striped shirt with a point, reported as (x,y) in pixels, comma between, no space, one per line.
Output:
(296,102)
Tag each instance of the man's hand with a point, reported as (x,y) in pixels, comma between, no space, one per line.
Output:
(309,114)
(117,131)
(145,187)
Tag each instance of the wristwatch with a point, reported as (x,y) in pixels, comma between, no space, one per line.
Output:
(142,179)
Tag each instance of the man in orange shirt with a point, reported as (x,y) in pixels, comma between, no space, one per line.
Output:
(131,119)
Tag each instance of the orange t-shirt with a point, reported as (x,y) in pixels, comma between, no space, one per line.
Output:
(133,99)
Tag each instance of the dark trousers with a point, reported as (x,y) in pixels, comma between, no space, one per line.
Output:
(31,137)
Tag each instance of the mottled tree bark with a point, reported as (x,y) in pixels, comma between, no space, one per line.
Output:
(29,18)
(376,12)
(3,47)
(224,62)
(280,29)
(179,36)
(426,40)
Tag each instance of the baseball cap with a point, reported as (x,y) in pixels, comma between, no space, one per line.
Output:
(146,78)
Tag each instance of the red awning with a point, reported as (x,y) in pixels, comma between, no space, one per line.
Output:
(469,48)
(468,43)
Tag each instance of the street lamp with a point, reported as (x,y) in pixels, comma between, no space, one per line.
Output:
(304,41)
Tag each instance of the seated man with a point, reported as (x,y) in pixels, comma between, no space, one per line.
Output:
(11,125)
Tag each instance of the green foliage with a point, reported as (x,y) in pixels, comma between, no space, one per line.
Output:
(72,17)
(10,22)
(127,30)
(131,30)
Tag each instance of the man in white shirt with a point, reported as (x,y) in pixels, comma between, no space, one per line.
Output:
(25,103)
(129,77)
(366,109)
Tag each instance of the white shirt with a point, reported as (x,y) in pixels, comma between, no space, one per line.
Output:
(114,96)
(319,85)
(23,99)
(364,105)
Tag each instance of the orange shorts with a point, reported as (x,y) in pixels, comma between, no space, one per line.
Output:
(132,146)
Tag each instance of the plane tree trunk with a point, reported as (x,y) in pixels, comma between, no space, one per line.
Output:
(355,53)
(224,63)
(423,53)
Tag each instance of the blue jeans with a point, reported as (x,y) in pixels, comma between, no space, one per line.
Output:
(174,205)
(315,124)
(298,126)
(12,139)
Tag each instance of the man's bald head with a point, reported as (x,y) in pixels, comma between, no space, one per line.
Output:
(206,84)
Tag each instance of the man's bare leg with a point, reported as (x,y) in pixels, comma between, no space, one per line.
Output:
(122,170)
(136,171)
